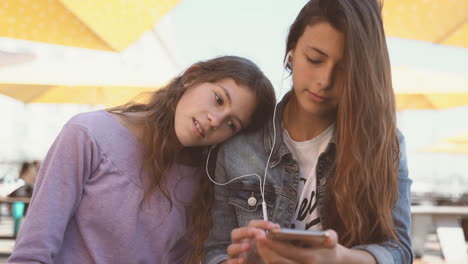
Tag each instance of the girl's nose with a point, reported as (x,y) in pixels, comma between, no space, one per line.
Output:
(325,79)
(214,119)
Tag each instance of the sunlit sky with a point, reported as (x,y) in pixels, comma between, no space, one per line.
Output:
(258,29)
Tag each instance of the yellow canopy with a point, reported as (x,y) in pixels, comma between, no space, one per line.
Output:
(455,145)
(95,95)
(442,22)
(101,24)
(460,139)
(447,148)
(426,89)
(12,58)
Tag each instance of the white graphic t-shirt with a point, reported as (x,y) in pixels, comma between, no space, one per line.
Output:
(306,153)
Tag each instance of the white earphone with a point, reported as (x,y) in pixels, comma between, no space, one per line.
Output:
(250,201)
(286,60)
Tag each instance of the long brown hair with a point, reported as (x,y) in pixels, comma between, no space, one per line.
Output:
(363,189)
(200,220)
(162,145)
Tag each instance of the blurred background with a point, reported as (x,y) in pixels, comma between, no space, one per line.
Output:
(62,57)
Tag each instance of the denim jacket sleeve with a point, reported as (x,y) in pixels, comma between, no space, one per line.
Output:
(224,217)
(391,251)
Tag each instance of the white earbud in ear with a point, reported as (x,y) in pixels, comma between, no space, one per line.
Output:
(286,60)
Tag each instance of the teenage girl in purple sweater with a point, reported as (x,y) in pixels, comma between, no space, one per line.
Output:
(117,185)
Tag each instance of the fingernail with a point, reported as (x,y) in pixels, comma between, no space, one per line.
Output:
(272,226)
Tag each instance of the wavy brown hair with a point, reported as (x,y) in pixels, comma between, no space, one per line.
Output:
(159,138)
(200,216)
(363,190)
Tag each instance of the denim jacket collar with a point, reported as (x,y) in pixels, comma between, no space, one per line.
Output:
(281,150)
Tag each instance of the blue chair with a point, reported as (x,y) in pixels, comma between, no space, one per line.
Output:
(17,212)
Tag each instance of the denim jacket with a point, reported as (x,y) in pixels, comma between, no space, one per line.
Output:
(248,153)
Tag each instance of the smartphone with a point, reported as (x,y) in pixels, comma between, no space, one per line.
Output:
(303,238)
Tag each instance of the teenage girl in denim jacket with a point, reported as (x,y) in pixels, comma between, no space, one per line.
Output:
(336,160)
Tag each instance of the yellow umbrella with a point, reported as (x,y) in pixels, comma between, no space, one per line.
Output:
(12,58)
(103,24)
(426,89)
(460,139)
(50,91)
(447,148)
(455,145)
(442,22)
(96,95)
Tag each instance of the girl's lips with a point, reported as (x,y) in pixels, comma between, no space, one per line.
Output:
(316,98)
(198,128)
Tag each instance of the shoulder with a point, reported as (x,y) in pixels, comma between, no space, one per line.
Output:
(87,127)
(96,124)
(243,153)
(89,120)
(403,160)
(245,142)
(83,127)
(401,137)
(401,143)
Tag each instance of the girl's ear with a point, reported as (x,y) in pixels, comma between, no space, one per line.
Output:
(289,59)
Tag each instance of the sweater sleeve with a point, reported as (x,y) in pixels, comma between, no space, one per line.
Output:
(69,163)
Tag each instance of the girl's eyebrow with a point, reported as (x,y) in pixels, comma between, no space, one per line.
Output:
(317,50)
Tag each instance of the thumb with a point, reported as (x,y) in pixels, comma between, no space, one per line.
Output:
(331,239)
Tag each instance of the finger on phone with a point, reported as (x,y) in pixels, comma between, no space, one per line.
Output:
(235,261)
(266,225)
(234,250)
(331,239)
(241,233)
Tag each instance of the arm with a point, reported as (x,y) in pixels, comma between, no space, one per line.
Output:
(392,251)
(67,166)
(223,215)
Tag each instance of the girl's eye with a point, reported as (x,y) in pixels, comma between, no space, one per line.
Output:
(313,61)
(218,99)
(232,126)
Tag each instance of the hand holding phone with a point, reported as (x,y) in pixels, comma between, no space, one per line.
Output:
(302,238)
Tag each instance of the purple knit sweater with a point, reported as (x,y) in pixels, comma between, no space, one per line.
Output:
(86,203)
